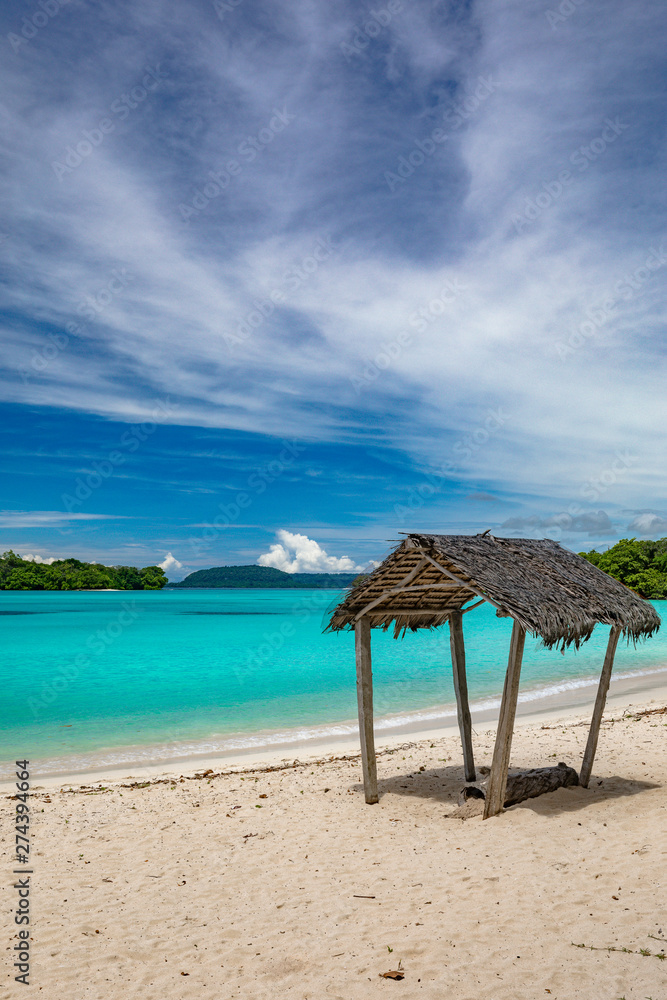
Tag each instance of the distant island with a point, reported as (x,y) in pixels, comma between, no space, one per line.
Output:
(248,577)
(72,574)
(640,565)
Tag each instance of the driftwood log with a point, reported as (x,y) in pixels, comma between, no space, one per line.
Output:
(523,785)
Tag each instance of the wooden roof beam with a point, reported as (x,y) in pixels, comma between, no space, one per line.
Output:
(403,590)
(464,611)
(403,612)
(453,576)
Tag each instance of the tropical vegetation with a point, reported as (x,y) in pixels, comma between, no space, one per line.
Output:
(72,574)
(640,565)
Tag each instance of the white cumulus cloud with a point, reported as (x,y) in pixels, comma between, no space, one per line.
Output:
(170,563)
(38,559)
(300,554)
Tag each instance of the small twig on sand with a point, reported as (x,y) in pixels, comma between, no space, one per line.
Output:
(627,951)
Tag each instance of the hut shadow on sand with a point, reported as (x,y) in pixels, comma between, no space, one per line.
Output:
(443,785)
(548,591)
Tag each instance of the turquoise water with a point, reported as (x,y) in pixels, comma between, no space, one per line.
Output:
(91,678)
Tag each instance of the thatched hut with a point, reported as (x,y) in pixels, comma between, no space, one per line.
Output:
(547,591)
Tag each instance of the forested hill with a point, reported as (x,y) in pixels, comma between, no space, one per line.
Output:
(264,577)
(640,565)
(71,574)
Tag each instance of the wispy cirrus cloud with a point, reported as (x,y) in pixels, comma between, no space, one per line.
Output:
(529,288)
(48,518)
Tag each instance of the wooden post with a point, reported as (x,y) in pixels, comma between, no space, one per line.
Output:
(461,689)
(495,796)
(603,687)
(362,644)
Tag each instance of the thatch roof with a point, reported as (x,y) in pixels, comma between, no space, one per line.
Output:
(550,591)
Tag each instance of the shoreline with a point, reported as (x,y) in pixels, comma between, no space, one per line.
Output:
(572,705)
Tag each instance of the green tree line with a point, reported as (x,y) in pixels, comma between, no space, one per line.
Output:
(71,574)
(640,565)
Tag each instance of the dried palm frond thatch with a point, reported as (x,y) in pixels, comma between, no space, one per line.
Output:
(550,591)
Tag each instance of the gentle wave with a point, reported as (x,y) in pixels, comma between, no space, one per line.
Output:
(487,704)
(144,756)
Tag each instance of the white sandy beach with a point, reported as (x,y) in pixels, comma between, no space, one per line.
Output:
(263,882)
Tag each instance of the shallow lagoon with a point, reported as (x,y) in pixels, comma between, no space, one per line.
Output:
(86,676)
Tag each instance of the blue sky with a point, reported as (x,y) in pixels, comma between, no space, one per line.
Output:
(307,269)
